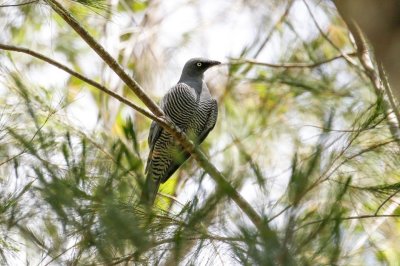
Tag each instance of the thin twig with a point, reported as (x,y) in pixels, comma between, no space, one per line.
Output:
(348,59)
(349,218)
(129,257)
(279,213)
(374,126)
(385,201)
(292,65)
(268,37)
(22,4)
(389,93)
(277,24)
(30,141)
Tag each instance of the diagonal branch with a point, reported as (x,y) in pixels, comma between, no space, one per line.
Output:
(199,156)
(181,137)
(81,77)
(107,58)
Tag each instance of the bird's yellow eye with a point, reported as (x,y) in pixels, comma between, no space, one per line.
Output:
(199,64)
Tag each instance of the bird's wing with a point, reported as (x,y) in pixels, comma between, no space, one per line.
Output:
(154,134)
(211,121)
(155,129)
(179,104)
(183,156)
(169,105)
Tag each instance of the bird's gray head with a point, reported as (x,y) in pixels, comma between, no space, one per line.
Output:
(195,68)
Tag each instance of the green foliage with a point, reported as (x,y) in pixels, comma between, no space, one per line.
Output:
(308,146)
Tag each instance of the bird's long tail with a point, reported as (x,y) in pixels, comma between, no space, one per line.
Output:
(150,189)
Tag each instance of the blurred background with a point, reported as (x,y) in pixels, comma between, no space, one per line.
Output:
(306,132)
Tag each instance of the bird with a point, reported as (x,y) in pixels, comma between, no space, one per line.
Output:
(190,106)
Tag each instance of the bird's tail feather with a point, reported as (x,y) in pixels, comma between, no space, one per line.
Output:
(150,189)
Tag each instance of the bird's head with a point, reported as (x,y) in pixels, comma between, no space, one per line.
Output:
(195,67)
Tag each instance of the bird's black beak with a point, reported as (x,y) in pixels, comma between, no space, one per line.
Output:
(212,63)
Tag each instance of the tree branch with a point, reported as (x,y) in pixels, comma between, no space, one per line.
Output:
(181,137)
(292,65)
(106,57)
(385,201)
(164,122)
(81,77)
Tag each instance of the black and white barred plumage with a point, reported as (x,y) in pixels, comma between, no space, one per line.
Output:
(190,106)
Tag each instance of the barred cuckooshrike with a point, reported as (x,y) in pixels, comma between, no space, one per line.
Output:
(190,106)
